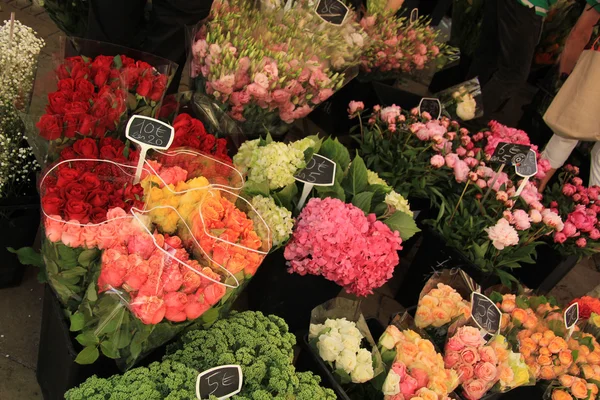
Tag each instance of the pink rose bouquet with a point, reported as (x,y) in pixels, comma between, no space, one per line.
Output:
(277,67)
(475,362)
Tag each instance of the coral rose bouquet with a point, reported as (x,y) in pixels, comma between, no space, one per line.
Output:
(579,207)
(400,48)
(269,68)
(340,337)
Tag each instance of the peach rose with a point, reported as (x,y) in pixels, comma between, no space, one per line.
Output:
(470,336)
(451,359)
(506,374)
(71,234)
(559,394)
(455,344)
(548,334)
(566,380)
(536,337)
(587,370)
(429,301)
(408,349)
(474,389)
(579,389)
(485,371)
(544,351)
(469,355)
(557,344)
(508,305)
(440,317)
(464,371)
(544,360)
(592,388)
(531,322)
(565,357)
(519,314)
(423,317)
(426,394)
(593,358)
(53,228)
(149,309)
(574,369)
(547,373)
(488,354)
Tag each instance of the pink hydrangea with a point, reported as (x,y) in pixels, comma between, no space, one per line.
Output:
(336,240)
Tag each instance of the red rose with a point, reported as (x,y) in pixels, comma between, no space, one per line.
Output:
(101,107)
(127,61)
(66,176)
(86,124)
(67,154)
(70,124)
(103,170)
(114,116)
(57,102)
(98,215)
(168,107)
(144,65)
(79,70)
(89,180)
(107,187)
(144,87)
(158,88)
(77,210)
(84,86)
(193,142)
(76,107)
(130,76)
(86,148)
(52,204)
(83,97)
(208,143)
(134,155)
(221,146)
(66,85)
(62,72)
(99,130)
(98,198)
(101,77)
(74,191)
(117,201)
(109,153)
(102,62)
(50,126)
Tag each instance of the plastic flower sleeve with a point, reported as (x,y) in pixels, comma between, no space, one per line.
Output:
(413,365)
(463,101)
(339,335)
(444,299)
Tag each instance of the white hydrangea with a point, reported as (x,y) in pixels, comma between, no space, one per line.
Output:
(398,202)
(278,219)
(374,179)
(18,62)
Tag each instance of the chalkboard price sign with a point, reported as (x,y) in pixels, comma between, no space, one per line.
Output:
(332,11)
(527,167)
(432,106)
(571,315)
(485,313)
(510,153)
(320,171)
(223,382)
(150,132)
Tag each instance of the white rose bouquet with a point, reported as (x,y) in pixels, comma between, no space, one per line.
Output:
(462,101)
(340,336)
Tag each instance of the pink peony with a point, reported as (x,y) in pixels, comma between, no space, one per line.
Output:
(552,219)
(437,161)
(502,196)
(502,234)
(570,230)
(481,183)
(355,107)
(390,114)
(560,237)
(581,219)
(595,234)
(581,242)
(522,221)
(461,171)
(569,190)
(461,151)
(535,216)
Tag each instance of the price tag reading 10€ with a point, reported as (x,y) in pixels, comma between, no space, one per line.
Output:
(148,133)
(320,171)
(222,382)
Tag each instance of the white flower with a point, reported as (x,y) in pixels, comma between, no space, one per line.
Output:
(329,347)
(346,361)
(387,341)
(363,371)
(364,356)
(398,202)
(351,342)
(391,386)
(466,109)
(314,330)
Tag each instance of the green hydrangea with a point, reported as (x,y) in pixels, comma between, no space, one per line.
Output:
(396,200)
(278,219)
(374,179)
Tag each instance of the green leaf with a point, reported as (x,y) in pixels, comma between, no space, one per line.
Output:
(344,376)
(210,316)
(363,201)
(506,278)
(335,151)
(118,62)
(87,257)
(285,197)
(522,302)
(87,339)
(356,179)
(109,349)
(91,293)
(388,356)
(77,322)
(403,223)
(496,297)
(88,355)
(575,355)
(28,256)
(254,188)
(73,273)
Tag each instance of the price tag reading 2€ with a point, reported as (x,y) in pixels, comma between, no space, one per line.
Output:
(222,382)
(148,133)
(320,171)
(485,313)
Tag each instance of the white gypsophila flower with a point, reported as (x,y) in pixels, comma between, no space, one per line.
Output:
(398,202)
(278,219)
(18,61)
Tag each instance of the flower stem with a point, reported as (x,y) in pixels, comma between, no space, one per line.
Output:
(459,200)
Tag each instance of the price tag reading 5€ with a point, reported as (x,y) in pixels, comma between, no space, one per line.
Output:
(222,382)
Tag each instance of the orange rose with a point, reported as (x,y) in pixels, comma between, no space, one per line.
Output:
(592,388)
(574,369)
(558,394)
(544,351)
(528,342)
(519,314)
(566,380)
(544,342)
(547,373)
(536,337)
(557,344)
(504,321)
(524,334)
(534,368)
(579,389)
(565,357)
(593,358)
(549,334)
(584,351)
(587,370)
(508,305)
(544,360)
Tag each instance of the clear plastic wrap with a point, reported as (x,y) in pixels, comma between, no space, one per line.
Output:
(463,101)
(414,367)
(340,336)
(444,299)
(269,68)
(133,265)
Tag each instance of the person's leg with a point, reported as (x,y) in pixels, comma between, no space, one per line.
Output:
(556,152)
(518,32)
(595,165)
(116,21)
(167,31)
(485,59)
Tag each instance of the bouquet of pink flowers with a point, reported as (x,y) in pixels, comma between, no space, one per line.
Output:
(399,47)
(270,68)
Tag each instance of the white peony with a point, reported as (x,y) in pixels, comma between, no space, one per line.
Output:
(466,109)
(314,330)
(364,356)
(330,347)
(351,342)
(363,371)
(346,361)
(391,386)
